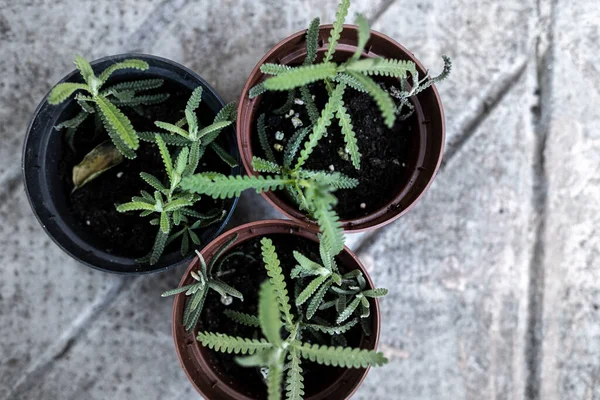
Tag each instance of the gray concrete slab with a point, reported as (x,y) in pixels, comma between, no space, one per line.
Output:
(457,271)
(488,41)
(45,296)
(494,276)
(570,239)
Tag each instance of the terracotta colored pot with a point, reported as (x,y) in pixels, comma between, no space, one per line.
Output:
(428,109)
(41,161)
(194,357)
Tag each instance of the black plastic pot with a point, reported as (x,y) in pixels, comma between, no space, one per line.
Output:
(42,151)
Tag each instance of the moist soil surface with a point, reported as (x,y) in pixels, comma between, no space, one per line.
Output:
(246,273)
(388,156)
(93,205)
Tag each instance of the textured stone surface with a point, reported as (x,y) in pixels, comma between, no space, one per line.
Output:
(241,33)
(128,352)
(457,269)
(493,276)
(570,247)
(487,41)
(45,296)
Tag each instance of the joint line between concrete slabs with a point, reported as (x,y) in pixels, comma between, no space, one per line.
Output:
(534,334)
(66,340)
(496,92)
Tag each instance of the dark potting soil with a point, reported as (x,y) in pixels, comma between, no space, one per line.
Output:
(93,205)
(246,275)
(388,156)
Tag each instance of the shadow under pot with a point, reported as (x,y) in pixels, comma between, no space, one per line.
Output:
(84,222)
(216,375)
(397,164)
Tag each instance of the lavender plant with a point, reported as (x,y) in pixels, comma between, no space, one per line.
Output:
(283,347)
(171,203)
(356,73)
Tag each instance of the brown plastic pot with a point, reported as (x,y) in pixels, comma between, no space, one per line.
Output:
(428,108)
(194,357)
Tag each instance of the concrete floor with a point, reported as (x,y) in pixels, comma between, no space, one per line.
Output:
(494,276)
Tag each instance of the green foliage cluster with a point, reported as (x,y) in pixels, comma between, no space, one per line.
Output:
(283,346)
(356,73)
(171,203)
(205,280)
(105,102)
(311,190)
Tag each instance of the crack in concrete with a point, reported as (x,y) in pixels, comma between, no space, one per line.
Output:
(485,106)
(11,181)
(165,13)
(534,332)
(66,340)
(380,12)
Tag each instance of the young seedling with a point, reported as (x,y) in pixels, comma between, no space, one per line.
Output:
(355,72)
(311,190)
(198,291)
(104,102)
(282,350)
(171,202)
(196,137)
(324,280)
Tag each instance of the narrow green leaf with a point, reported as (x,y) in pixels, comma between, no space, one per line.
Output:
(311,108)
(73,122)
(118,121)
(338,26)
(275,273)
(317,300)
(262,165)
(176,291)
(312,41)
(347,128)
(295,380)
(293,145)
(262,139)
(62,91)
(135,206)
(364,32)
(159,246)
(217,126)
(378,292)
(274,69)
(140,85)
(268,313)
(321,126)
(383,100)
(341,357)
(131,63)
(257,90)
(344,315)
(153,181)
(230,344)
(242,318)
(172,128)
(310,289)
(165,222)
(166,157)
(334,330)
(195,99)
(223,186)
(84,68)
(300,76)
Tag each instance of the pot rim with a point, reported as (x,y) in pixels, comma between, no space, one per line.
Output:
(249,231)
(24,173)
(373,220)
